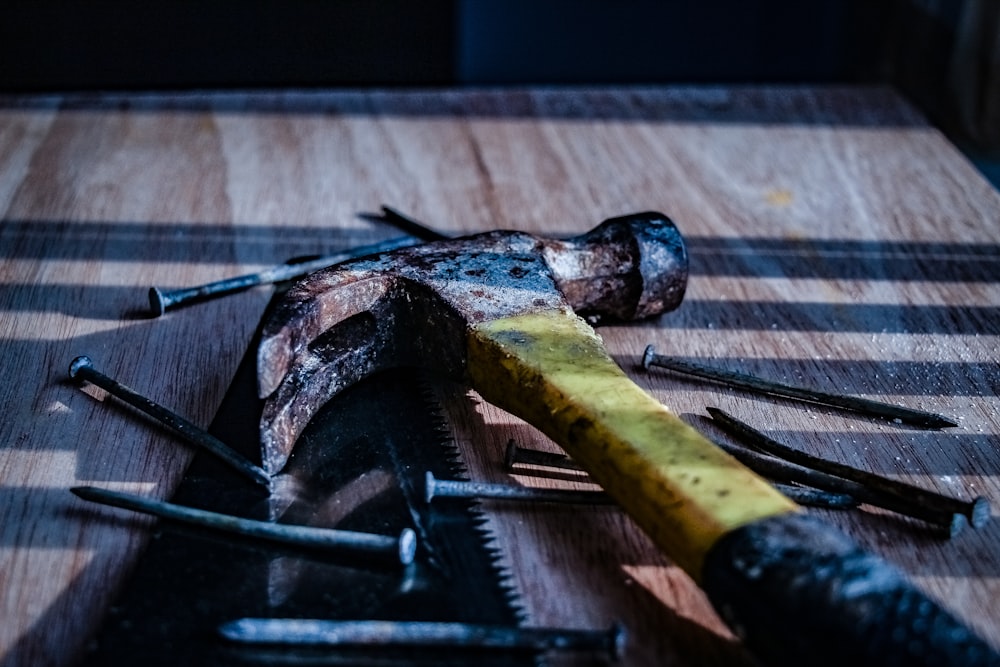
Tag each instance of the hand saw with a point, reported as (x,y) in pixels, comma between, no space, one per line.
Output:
(351,470)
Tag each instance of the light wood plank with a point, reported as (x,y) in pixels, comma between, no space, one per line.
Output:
(836,239)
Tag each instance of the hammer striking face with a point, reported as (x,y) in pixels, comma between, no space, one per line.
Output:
(502,312)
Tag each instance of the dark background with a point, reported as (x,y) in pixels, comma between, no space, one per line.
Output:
(181,44)
(188,43)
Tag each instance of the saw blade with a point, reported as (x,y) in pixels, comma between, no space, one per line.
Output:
(359,466)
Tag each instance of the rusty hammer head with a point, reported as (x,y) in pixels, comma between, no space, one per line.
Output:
(413,307)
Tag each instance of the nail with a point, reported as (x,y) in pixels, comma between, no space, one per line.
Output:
(446,488)
(752,383)
(782,472)
(82,368)
(516,454)
(836,497)
(161,300)
(411,226)
(398,550)
(872,489)
(317,632)
(816,497)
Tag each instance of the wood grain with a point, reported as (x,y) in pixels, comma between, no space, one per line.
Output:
(836,240)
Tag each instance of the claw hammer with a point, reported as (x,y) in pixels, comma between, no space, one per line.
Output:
(504,312)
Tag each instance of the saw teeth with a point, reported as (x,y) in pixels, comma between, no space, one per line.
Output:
(478,519)
(442,431)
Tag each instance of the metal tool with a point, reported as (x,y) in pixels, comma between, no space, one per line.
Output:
(190,581)
(446,488)
(515,454)
(162,300)
(897,413)
(381,548)
(913,501)
(82,369)
(803,495)
(389,634)
(496,310)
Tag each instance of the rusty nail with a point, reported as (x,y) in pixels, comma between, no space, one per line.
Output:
(760,386)
(446,488)
(321,632)
(809,497)
(948,513)
(516,454)
(803,495)
(399,550)
(82,368)
(161,300)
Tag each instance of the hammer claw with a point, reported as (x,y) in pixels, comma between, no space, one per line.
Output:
(343,346)
(310,308)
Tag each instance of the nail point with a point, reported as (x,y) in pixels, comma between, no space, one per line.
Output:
(510,457)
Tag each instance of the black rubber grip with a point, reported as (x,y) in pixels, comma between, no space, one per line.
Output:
(800,592)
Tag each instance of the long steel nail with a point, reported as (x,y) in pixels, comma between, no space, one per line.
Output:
(82,368)
(161,300)
(752,383)
(780,471)
(446,488)
(776,470)
(516,454)
(876,490)
(386,548)
(320,632)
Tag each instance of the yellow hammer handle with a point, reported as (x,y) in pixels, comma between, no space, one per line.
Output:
(552,370)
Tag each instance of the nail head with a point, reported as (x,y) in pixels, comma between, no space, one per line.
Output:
(407,546)
(157,302)
(979,515)
(647,356)
(78,364)
(429,486)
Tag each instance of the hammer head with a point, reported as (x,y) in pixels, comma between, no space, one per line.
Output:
(415,306)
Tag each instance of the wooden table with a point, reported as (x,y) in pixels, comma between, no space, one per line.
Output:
(836,240)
